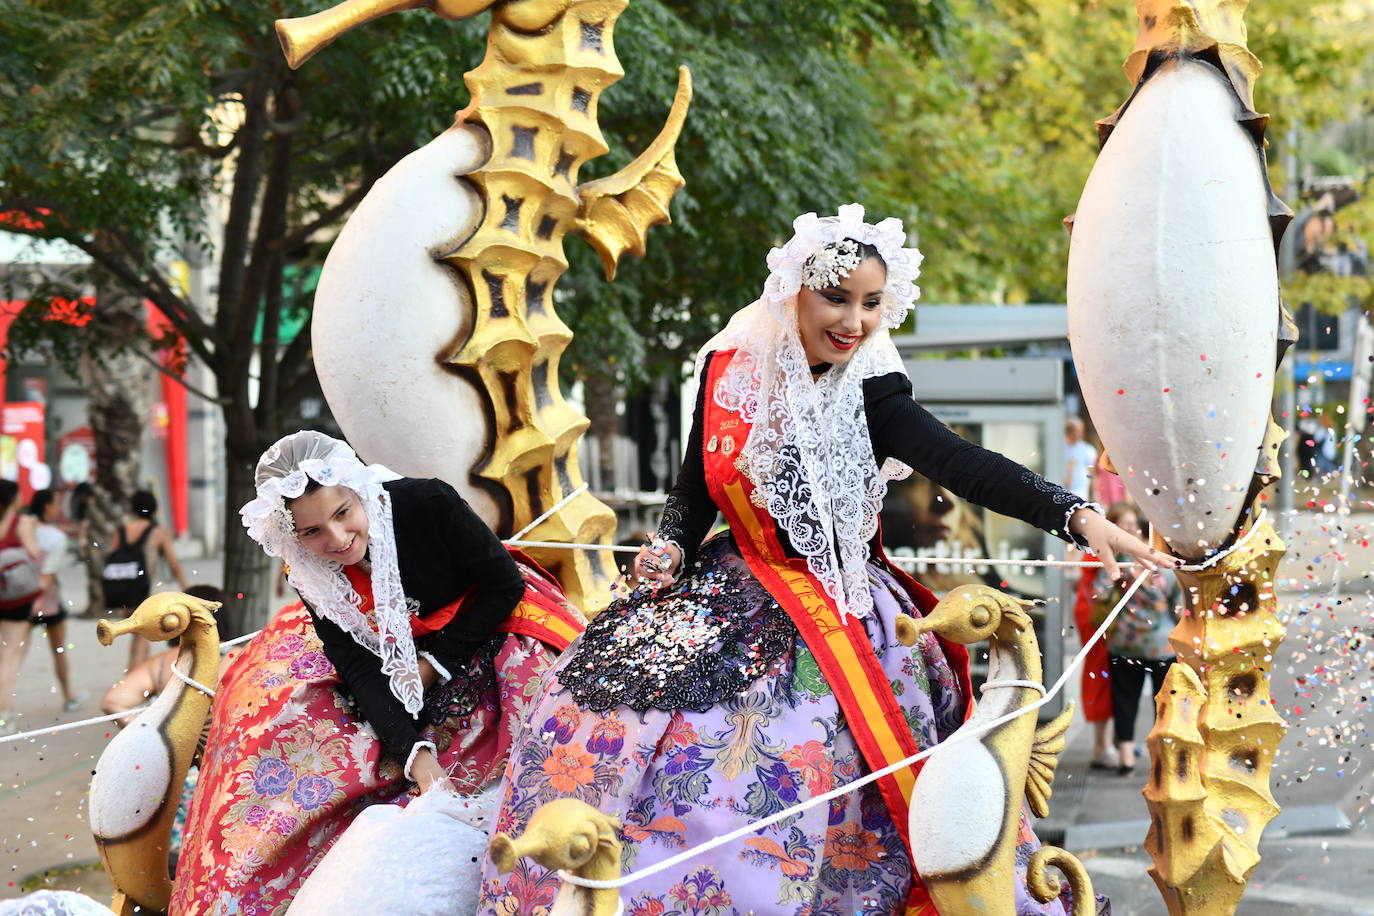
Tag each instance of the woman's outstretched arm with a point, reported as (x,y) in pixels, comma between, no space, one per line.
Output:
(904,430)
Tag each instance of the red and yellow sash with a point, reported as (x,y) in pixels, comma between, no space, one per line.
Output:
(841,648)
(542,613)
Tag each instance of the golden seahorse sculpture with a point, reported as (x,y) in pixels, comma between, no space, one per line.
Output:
(569,834)
(1216,732)
(138,779)
(536,94)
(966,807)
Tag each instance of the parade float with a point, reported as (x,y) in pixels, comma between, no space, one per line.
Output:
(456,253)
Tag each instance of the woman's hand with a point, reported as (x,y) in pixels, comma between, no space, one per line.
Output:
(1106,540)
(658,561)
(426,771)
(429,675)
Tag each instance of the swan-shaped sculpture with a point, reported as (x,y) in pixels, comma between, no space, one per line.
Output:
(138,779)
(571,835)
(966,807)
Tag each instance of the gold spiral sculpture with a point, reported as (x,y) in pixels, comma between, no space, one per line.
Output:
(536,94)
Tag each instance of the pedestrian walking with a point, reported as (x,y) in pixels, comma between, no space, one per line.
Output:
(49,611)
(19,588)
(128,572)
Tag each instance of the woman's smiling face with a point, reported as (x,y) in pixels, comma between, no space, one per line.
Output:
(834,320)
(331,524)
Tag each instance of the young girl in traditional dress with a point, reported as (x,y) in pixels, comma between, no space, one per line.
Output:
(409,663)
(760,668)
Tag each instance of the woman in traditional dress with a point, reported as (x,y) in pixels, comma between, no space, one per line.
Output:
(410,662)
(760,668)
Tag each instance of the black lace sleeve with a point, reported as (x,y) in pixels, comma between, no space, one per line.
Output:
(689,511)
(904,430)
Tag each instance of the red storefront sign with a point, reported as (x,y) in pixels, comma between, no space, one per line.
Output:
(21,447)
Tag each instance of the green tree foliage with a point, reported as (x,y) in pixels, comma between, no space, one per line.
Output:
(145,132)
(985,147)
(139,130)
(778,127)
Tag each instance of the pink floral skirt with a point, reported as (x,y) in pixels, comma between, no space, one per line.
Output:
(289,764)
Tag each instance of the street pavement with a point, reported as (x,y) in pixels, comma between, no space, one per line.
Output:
(1318,855)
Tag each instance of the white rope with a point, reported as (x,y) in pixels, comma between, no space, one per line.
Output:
(915,561)
(957,738)
(565,546)
(1012,682)
(129,712)
(964,560)
(70,725)
(952,561)
(192,682)
(1219,556)
(559,505)
(1000,561)
(229,643)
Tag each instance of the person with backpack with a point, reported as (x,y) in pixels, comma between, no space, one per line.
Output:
(48,609)
(127,575)
(19,588)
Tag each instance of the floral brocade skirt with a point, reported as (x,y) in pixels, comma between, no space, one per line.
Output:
(698,710)
(289,764)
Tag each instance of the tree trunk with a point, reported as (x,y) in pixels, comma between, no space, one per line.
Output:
(247,570)
(602,399)
(116,384)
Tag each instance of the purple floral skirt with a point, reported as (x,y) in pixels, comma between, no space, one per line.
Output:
(698,710)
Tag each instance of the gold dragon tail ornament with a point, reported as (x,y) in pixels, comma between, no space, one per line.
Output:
(1216,733)
(536,94)
(138,780)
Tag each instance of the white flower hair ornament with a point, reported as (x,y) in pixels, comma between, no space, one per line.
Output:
(283,473)
(817,256)
(829,266)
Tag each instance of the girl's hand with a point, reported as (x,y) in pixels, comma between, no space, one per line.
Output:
(1106,540)
(429,675)
(658,561)
(426,772)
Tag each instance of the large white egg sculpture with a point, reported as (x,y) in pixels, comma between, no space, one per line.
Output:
(388,312)
(1174,303)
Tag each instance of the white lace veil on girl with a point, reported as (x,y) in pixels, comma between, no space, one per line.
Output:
(283,472)
(809,454)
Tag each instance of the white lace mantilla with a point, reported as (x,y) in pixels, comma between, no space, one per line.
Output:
(809,454)
(282,474)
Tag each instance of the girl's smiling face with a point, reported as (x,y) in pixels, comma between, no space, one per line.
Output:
(332,524)
(834,320)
